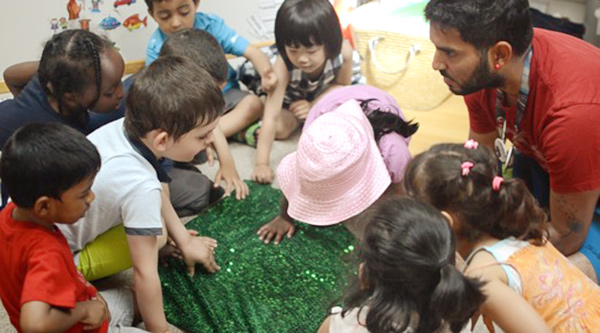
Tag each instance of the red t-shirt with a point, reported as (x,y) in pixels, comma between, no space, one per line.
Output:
(561,124)
(37,265)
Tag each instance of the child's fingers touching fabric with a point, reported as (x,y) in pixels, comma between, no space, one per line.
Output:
(200,250)
(262,174)
(232,182)
(277,228)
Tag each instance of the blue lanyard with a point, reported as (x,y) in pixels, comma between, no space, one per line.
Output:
(521,101)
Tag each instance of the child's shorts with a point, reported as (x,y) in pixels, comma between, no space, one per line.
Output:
(120,304)
(105,256)
(233,97)
(591,245)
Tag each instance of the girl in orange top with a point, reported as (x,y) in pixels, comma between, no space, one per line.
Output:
(502,232)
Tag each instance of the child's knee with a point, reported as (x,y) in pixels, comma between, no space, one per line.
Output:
(286,125)
(253,108)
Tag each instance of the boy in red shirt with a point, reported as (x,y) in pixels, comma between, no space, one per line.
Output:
(48,170)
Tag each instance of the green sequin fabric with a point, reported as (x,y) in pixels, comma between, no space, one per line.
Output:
(260,288)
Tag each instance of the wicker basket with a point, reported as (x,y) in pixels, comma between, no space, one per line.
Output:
(401,65)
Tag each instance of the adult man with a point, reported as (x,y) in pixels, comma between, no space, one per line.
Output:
(541,90)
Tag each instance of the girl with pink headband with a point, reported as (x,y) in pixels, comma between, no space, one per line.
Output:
(502,233)
(336,173)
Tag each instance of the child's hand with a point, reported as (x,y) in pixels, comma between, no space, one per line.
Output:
(300,108)
(262,174)
(232,182)
(268,81)
(199,250)
(210,156)
(96,314)
(276,228)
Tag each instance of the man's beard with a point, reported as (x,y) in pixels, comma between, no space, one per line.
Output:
(481,78)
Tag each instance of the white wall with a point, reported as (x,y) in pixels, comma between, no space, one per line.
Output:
(25,25)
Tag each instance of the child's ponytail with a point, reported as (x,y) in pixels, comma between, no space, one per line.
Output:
(455,298)
(386,122)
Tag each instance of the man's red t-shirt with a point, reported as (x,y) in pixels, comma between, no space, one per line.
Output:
(37,265)
(561,124)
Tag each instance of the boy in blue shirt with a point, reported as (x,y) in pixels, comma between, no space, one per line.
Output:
(241,108)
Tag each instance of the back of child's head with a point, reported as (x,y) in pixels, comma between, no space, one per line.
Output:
(174,95)
(307,23)
(461,179)
(337,171)
(202,48)
(408,270)
(45,160)
(150,3)
(71,63)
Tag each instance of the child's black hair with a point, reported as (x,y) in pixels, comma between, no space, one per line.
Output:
(173,94)
(70,63)
(384,122)
(45,160)
(150,3)
(202,48)
(408,270)
(307,23)
(436,177)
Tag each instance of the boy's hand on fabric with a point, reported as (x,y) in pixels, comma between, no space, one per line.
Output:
(200,250)
(232,182)
(268,81)
(96,314)
(300,108)
(277,228)
(262,174)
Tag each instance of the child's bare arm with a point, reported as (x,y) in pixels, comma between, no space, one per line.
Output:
(262,170)
(344,76)
(17,76)
(38,316)
(148,291)
(227,170)
(519,316)
(193,249)
(263,68)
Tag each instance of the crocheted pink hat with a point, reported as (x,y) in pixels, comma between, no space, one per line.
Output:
(337,171)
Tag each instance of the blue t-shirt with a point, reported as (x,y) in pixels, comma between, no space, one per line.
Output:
(230,41)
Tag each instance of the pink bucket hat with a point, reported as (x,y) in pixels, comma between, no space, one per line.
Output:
(337,171)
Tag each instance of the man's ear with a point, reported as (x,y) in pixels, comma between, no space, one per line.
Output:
(448,218)
(499,55)
(43,208)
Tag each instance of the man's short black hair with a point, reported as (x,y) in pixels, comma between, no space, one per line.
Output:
(45,160)
(202,48)
(174,95)
(484,23)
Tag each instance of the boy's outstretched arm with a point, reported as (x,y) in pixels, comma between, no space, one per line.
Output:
(146,282)
(262,170)
(195,250)
(37,316)
(263,68)
(17,76)
(227,170)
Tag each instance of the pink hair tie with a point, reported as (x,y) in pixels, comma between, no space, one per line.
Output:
(471,144)
(496,183)
(466,168)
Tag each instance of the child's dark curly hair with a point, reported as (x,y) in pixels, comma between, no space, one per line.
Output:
(436,176)
(70,64)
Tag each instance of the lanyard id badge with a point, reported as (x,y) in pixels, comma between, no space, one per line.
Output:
(504,155)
